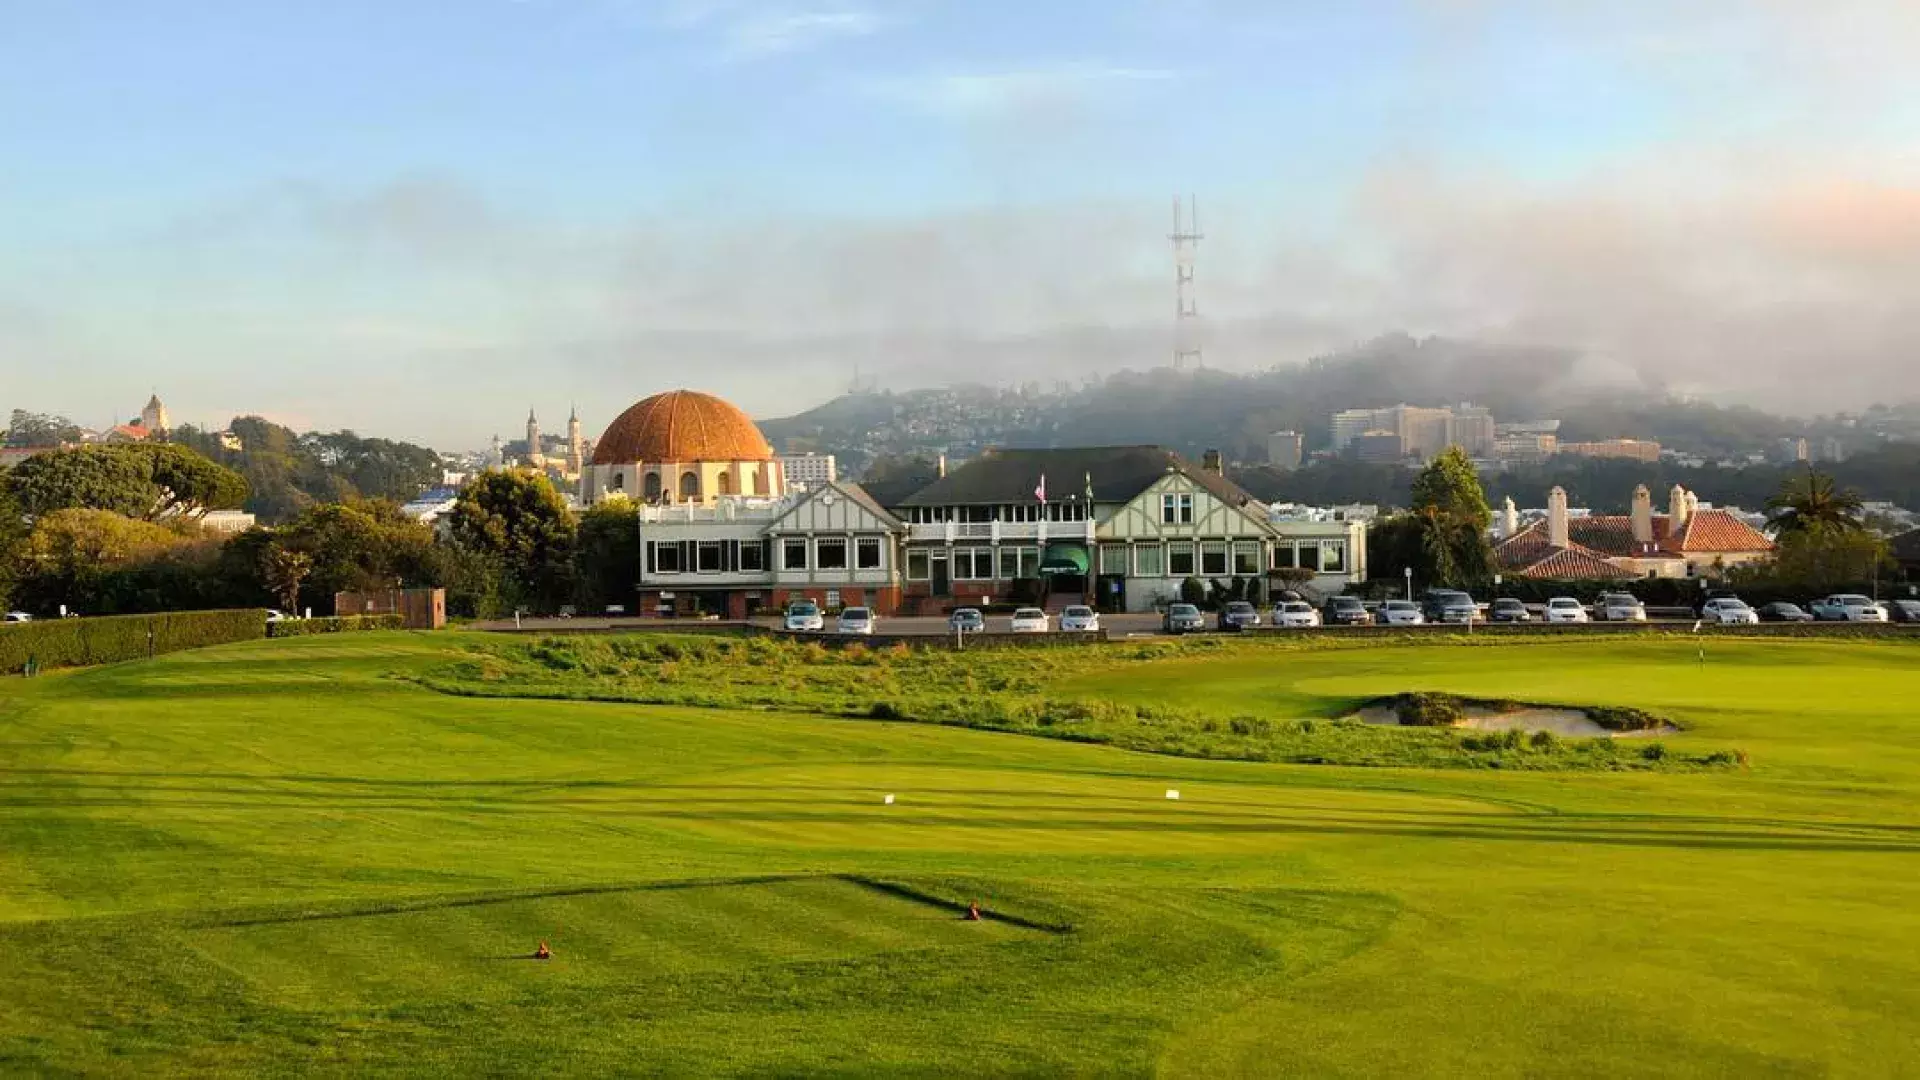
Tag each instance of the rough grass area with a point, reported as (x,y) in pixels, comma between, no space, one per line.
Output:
(1017,690)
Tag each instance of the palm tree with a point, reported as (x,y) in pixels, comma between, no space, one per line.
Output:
(1812,504)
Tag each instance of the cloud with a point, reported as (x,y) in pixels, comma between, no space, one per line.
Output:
(766,34)
(1003,92)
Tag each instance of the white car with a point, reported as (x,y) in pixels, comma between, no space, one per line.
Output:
(804,617)
(1030,620)
(1728,611)
(1565,609)
(1400,613)
(16,616)
(1848,607)
(1080,619)
(857,620)
(1295,615)
(1619,607)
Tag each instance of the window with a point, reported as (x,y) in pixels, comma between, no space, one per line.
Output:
(1176,509)
(1009,563)
(1029,562)
(653,487)
(1213,559)
(794,554)
(1246,558)
(830,553)
(689,486)
(833,598)
(1333,558)
(973,564)
(753,555)
(619,482)
(1285,556)
(1180,560)
(709,557)
(917,564)
(1149,560)
(760,480)
(666,558)
(866,553)
(725,482)
(1113,559)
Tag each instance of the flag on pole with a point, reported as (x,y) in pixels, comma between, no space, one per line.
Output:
(1041,491)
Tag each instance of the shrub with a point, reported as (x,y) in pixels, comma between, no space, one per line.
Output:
(1545,741)
(1427,710)
(111,639)
(346,624)
(1654,752)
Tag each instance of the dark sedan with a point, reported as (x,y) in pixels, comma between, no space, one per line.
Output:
(1239,615)
(1347,611)
(1508,610)
(1906,611)
(1781,611)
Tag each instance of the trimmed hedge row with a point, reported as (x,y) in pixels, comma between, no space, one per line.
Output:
(338,624)
(114,638)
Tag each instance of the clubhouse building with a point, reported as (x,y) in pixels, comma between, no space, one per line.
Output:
(1118,527)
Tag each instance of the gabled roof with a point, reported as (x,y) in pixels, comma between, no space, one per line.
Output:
(1119,475)
(1706,532)
(853,493)
(1529,553)
(1710,531)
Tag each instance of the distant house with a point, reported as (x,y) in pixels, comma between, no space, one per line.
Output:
(1685,542)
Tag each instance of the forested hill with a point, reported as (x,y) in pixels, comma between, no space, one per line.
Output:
(289,472)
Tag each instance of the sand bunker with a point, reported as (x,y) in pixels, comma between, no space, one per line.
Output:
(1501,716)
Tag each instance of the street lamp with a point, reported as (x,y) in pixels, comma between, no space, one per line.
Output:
(1408,571)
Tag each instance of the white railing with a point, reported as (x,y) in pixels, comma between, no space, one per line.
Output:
(724,510)
(999,531)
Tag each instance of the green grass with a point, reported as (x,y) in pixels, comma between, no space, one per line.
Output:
(277,857)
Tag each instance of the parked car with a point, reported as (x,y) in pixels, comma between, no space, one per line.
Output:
(1080,619)
(1401,613)
(966,620)
(1565,609)
(1030,620)
(1506,609)
(1296,615)
(804,617)
(1782,611)
(1728,611)
(1449,606)
(1848,607)
(1619,607)
(1346,611)
(1182,619)
(857,620)
(1903,611)
(16,616)
(1239,615)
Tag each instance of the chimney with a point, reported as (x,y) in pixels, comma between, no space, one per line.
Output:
(1210,462)
(1677,509)
(1509,518)
(1557,517)
(1642,515)
(943,466)
(1693,504)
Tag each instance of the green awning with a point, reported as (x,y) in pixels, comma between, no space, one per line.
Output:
(1065,559)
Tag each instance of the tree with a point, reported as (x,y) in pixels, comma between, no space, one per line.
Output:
(283,571)
(187,484)
(1813,504)
(84,478)
(606,556)
(519,522)
(89,560)
(1451,485)
(1823,559)
(13,531)
(1444,538)
(39,429)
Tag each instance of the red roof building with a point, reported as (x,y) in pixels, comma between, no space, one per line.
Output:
(1686,541)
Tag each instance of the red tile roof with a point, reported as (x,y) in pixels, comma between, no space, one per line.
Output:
(1719,532)
(1575,564)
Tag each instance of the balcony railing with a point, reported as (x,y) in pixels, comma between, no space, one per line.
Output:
(1038,532)
(724,510)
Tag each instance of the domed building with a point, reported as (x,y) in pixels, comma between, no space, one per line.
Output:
(682,447)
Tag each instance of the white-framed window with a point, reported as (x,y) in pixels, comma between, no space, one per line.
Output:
(1176,509)
(1113,559)
(833,598)
(709,559)
(1246,558)
(1285,556)
(1149,560)
(666,558)
(917,565)
(1213,558)
(1009,563)
(866,553)
(1180,560)
(830,553)
(972,564)
(753,555)
(793,553)
(1333,557)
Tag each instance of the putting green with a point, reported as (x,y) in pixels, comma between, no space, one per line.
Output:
(277,857)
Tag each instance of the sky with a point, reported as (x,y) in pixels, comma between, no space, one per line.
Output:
(420,218)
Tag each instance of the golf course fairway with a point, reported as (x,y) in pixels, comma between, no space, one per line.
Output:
(291,857)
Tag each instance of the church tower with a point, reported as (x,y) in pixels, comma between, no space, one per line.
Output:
(154,417)
(576,449)
(535,457)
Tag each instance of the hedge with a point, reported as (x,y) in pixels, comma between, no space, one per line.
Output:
(339,624)
(113,638)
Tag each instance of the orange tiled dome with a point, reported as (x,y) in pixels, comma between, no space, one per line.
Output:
(681,426)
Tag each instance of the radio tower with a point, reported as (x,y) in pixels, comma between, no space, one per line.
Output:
(1186,237)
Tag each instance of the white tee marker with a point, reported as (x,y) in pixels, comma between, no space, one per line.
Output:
(889,800)
(1174,794)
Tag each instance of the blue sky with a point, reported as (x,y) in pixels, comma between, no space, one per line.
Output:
(416,217)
